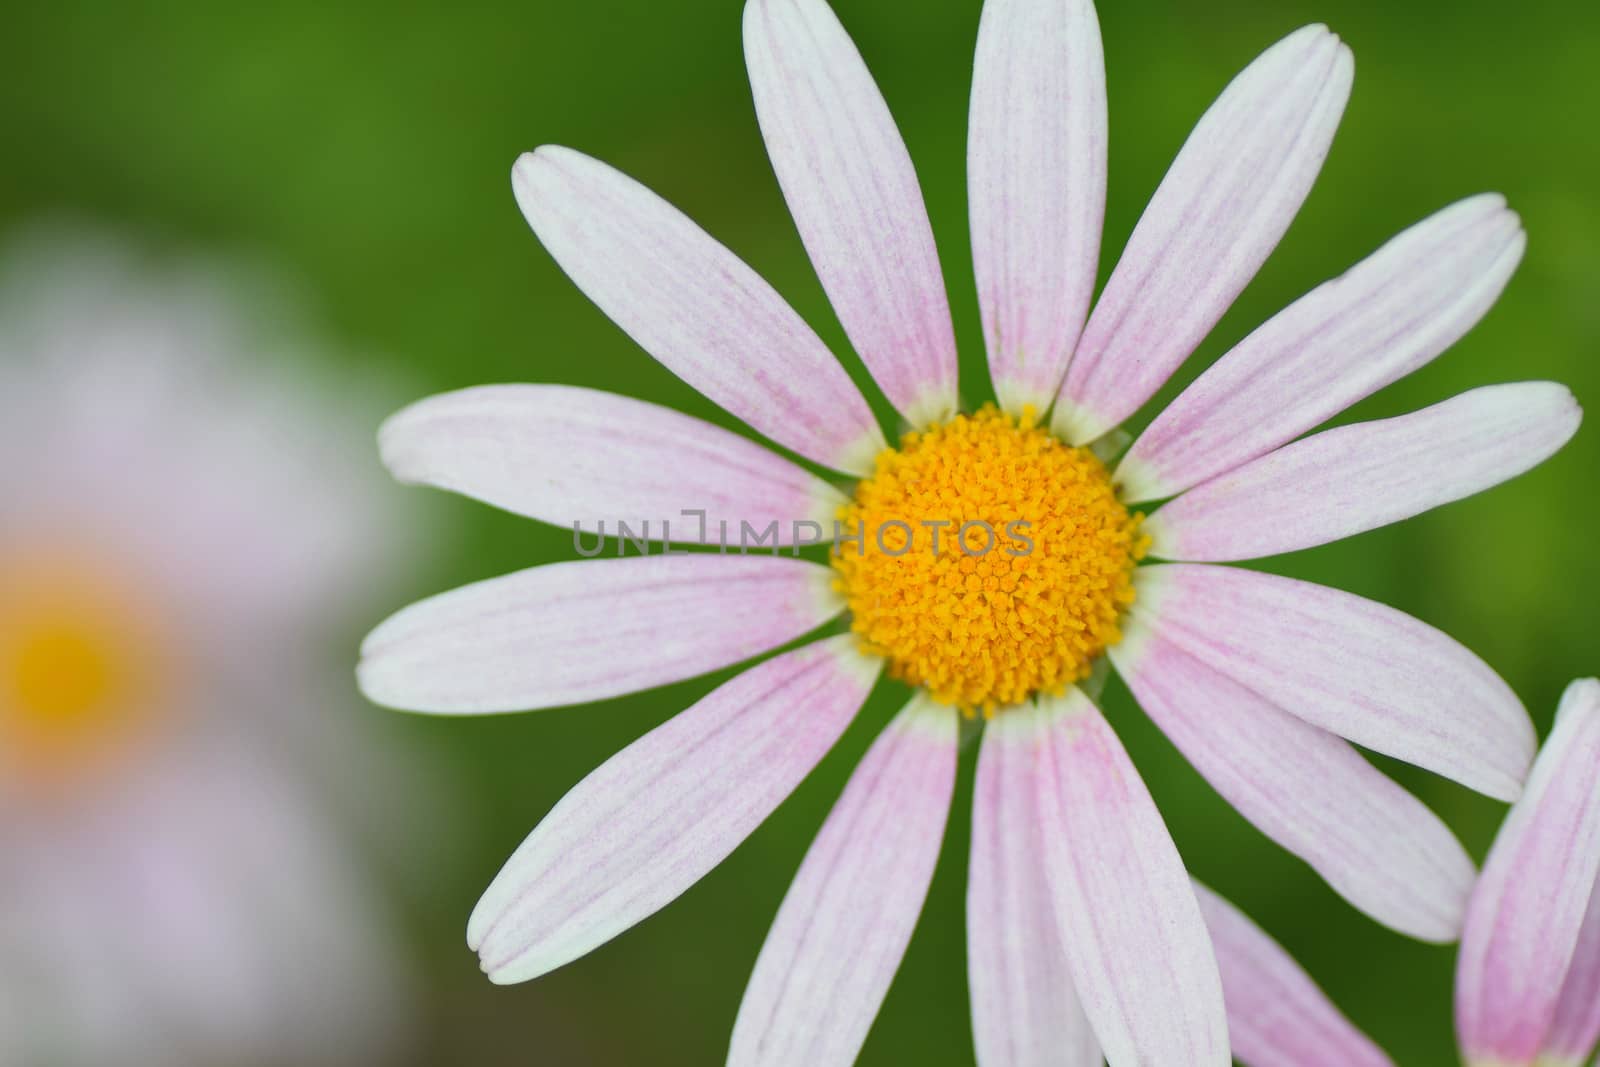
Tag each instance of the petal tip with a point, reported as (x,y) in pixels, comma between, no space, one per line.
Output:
(1580,697)
(1319,38)
(1587,689)
(364,678)
(1312,31)
(522,170)
(1490,204)
(504,975)
(374,684)
(1575,411)
(502,964)
(392,439)
(1519,237)
(1561,406)
(531,167)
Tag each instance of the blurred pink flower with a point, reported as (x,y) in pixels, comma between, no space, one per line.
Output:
(182,522)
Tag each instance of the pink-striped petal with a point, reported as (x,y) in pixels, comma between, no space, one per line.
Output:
(854,196)
(1277,1016)
(1024,1008)
(1136,945)
(1036,187)
(1345,340)
(592,460)
(1350,479)
(659,815)
(847,919)
(1527,912)
(1576,1026)
(1377,845)
(1354,667)
(695,306)
(567,633)
(1230,195)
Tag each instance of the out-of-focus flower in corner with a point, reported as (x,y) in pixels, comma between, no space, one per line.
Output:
(1528,974)
(1083,931)
(180,529)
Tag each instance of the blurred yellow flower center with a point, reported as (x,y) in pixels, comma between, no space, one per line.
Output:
(80,668)
(987,561)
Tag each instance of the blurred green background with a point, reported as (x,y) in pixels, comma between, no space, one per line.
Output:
(365,150)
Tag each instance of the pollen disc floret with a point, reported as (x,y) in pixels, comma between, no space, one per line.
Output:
(82,667)
(993,561)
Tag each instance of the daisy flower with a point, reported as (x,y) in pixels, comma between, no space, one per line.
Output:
(1084,933)
(177,527)
(1528,976)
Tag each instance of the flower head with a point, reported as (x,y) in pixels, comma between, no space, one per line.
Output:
(1000,565)
(178,523)
(1084,931)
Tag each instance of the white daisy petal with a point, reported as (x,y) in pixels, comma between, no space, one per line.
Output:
(567,633)
(1354,667)
(845,922)
(581,458)
(1024,1008)
(659,815)
(1527,912)
(853,193)
(1219,212)
(1345,340)
(1136,945)
(1277,1017)
(1311,792)
(1036,186)
(1350,479)
(695,306)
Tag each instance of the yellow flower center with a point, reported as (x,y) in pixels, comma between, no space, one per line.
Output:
(993,561)
(81,666)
